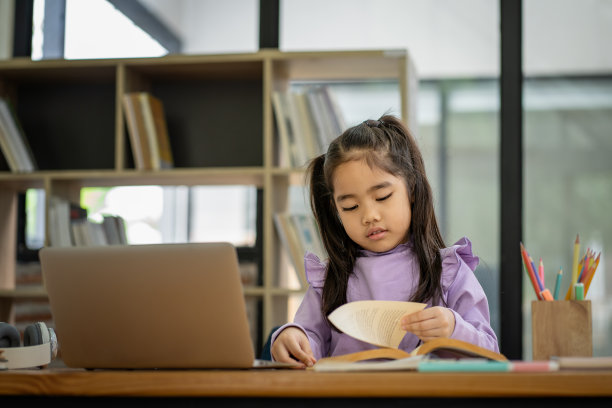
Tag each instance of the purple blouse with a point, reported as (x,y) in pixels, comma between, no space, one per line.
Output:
(394,275)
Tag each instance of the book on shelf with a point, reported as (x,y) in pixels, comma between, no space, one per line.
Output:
(148,131)
(299,234)
(114,229)
(290,240)
(59,233)
(307,120)
(69,225)
(290,154)
(302,122)
(328,115)
(377,322)
(13,141)
(308,234)
(136,131)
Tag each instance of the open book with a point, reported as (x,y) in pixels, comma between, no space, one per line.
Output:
(377,322)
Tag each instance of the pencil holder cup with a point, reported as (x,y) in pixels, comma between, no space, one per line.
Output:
(561,328)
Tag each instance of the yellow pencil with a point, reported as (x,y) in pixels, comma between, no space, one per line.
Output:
(575,270)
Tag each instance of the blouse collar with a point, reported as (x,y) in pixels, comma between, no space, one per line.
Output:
(398,248)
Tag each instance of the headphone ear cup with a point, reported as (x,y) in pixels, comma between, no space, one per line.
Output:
(9,336)
(36,334)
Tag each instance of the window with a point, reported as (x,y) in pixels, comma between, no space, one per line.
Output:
(457,106)
(155,214)
(567,144)
(96,29)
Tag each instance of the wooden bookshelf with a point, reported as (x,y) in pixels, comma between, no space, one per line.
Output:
(220,120)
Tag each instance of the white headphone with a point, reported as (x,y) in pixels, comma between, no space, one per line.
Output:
(39,346)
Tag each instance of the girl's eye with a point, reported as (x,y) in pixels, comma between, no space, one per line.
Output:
(384,198)
(349,208)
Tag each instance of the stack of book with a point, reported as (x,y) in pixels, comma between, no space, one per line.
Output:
(148,131)
(307,120)
(69,226)
(299,234)
(13,142)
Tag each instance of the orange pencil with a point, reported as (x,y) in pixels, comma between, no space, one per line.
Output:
(590,277)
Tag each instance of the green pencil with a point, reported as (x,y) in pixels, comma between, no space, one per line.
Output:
(558,284)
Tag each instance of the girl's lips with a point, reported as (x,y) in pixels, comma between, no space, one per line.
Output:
(377,234)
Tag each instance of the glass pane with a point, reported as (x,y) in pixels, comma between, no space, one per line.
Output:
(568,188)
(96,29)
(155,214)
(223,213)
(35,218)
(567,145)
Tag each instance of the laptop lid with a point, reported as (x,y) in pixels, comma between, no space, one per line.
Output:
(148,306)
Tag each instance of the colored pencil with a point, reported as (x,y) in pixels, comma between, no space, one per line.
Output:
(590,277)
(546,295)
(535,272)
(530,271)
(541,273)
(575,262)
(558,284)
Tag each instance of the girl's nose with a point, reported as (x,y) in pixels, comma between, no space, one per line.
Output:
(370,214)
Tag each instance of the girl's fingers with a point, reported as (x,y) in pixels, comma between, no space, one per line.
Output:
(300,350)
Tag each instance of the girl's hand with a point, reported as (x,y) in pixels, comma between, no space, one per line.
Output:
(430,323)
(291,345)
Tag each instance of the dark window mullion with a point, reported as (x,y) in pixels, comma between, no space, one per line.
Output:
(511,183)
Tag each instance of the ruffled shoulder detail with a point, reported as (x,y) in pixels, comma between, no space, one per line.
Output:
(454,256)
(315,270)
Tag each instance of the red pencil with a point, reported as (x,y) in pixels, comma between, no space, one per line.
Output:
(530,272)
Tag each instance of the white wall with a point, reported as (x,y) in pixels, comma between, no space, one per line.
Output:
(457,37)
(447,38)
(567,36)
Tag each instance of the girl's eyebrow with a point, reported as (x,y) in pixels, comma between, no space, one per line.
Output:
(370,190)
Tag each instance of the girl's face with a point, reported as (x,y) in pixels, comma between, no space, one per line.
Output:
(373,205)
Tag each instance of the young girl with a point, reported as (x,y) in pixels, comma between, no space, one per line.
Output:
(374,207)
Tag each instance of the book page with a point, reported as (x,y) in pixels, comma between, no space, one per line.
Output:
(374,321)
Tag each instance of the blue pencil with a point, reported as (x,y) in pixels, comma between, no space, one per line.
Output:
(558,284)
(537,275)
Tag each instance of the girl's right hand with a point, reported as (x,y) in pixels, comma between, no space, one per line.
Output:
(292,344)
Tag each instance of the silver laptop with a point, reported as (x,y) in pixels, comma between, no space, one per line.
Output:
(148,306)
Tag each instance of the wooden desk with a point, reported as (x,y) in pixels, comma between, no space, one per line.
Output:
(276,386)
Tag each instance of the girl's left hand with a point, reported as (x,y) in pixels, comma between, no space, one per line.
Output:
(430,323)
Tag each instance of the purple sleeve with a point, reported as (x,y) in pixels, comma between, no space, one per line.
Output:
(466,298)
(309,317)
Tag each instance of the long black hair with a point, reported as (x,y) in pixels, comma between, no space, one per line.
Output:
(387,144)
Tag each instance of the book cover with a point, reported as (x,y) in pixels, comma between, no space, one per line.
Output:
(308,234)
(7,148)
(291,242)
(18,149)
(282,128)
(156,131)
(136,131)
(299,138)
(166,160)
(59,223)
